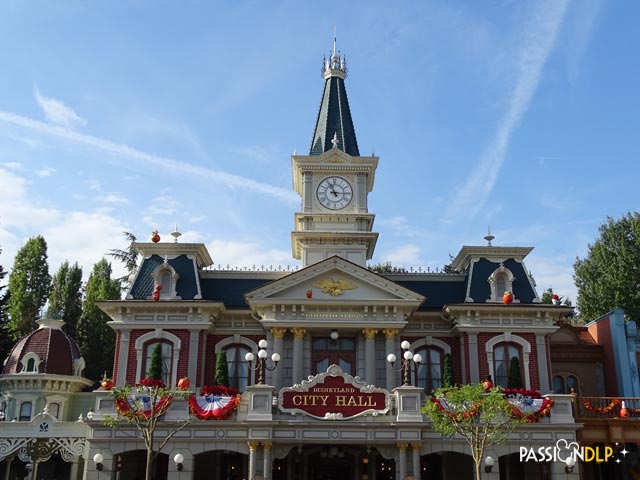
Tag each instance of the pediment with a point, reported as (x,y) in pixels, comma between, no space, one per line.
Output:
(334,280)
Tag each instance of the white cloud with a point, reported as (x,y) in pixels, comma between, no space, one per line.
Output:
(114,198)
(174,167)
(539,38)
(554,272)
(13,166)
(406,256)
(247,254)
(57,112)
(163,205)
(45,172)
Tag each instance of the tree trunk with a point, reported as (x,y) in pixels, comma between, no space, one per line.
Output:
(147,471)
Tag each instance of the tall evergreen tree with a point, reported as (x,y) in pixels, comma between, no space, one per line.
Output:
(222,369)
(5,340)
(29,287)
(155,366)
(128,257)
(515,378)
(65,301)
(95,338)
(448,376)
(607,278)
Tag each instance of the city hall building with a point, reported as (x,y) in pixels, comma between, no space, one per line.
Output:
(333,407)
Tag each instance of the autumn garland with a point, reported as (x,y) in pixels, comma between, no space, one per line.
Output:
(602,410)
(139,404)
(527,405)
(216,402)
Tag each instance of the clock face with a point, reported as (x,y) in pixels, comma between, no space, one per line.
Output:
(334,193)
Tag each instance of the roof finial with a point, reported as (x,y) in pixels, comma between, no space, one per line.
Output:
(334,140)
(335,66)
(175,234)
(489,237)
(334,40)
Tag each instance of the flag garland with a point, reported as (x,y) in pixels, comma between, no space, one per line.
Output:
(215,403)
(527,405)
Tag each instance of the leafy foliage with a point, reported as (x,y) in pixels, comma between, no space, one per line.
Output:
(155,366)
(132,402)
(481,419)
(65,301)
(5,341)
(609,276)
(222,369)
(448,376)
(515,377)
(96,339)
(29,287)
(386,267)
(128,257)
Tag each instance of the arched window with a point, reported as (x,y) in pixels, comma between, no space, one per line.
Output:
(563,383)
(430,369)
(237,366)
(25,412)
(558,384)
(501,284)
(166,349)
(166,282)
(503,353)
(54,409)
(31,365)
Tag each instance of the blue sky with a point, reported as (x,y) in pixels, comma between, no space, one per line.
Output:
(136,116)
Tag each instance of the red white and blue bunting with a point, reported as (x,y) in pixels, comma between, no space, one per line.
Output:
(213,407)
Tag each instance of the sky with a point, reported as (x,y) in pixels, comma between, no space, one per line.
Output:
(518,116)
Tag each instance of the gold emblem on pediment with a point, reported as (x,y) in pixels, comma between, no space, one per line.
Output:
(333,288)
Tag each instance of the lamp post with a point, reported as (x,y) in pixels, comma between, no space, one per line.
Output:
(407,357)
(179,459)
(261,363)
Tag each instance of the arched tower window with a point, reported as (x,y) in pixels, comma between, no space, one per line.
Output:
(501,280)
(166,276)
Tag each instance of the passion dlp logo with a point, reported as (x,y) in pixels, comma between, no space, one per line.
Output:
(564,449)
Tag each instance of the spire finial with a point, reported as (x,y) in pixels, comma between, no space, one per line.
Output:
(334,140)
(489,237)
(334,40)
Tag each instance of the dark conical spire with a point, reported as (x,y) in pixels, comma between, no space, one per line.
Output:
(334,126)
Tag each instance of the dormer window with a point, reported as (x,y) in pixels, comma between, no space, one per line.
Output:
(30,363)
(501,281)
(167,278)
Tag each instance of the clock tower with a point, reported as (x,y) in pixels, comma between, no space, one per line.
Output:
(334,181)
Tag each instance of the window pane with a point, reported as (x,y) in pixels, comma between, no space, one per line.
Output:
(322,365)
(344,365)
(237,367)
(572,384)
(31,365)
(558,384)
(501,285)
(166,350)
(166,283)
(25,412)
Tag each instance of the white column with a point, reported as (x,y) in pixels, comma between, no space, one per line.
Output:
(194,346)
(402,459)
(307,191)
(416,459)
(123,356)
(473,358)
(361,192)
(370,354)
(298,358)
(390,347)
(253,447)
(543,366)
(278,346)
(266,463)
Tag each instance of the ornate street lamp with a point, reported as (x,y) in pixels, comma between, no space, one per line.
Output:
(261,364)
(407,357)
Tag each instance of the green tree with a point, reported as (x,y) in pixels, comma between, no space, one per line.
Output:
(130,407)
(386,267)
(515,378)
(482,420)
(222,369)
(128,257)
(448,376)
(607,278)
(65,301)
(5,340)
(155,365)
(95,338)
(29,287)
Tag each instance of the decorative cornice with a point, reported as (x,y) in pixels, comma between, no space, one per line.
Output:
(369,333)
(278,332)
(299,333)
(390,333)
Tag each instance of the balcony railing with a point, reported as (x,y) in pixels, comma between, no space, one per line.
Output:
(607,407)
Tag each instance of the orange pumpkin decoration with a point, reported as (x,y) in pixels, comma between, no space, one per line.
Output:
(624,411)
(155,238)
(184,383)
(106,384)
(507,298)
(487,384)
(309,294)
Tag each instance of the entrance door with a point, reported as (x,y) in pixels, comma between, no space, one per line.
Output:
(331,463)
